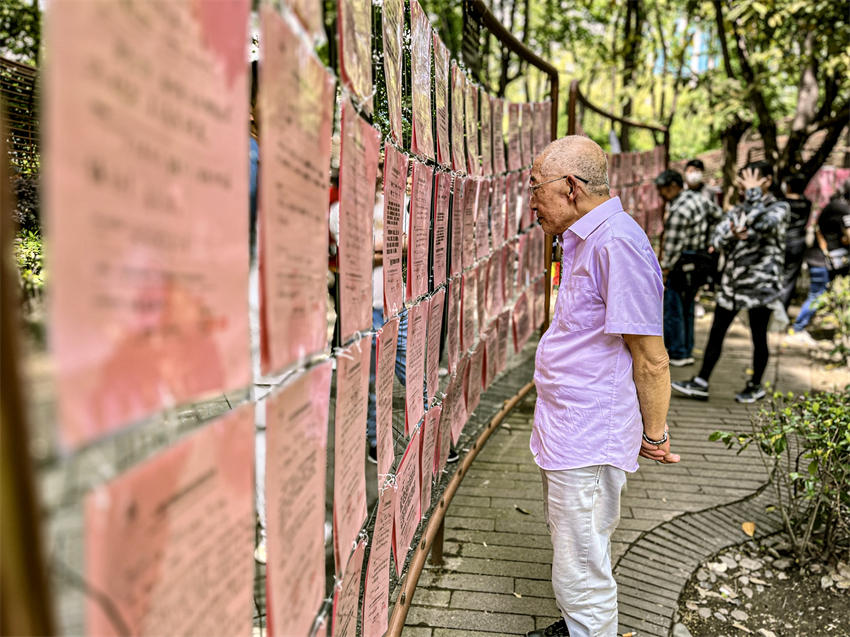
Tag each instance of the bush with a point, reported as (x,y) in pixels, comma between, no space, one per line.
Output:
(29,258)
(805,442)
(26,212)
(835,302)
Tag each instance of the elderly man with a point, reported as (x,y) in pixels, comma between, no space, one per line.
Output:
(601,375)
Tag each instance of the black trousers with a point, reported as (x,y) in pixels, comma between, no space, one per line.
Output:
(759,319)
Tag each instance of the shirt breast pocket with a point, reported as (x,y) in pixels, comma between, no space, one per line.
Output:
(584,308)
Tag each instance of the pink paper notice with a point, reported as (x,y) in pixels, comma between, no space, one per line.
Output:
(482,220)
(309,12)
(453,323)
(538,291)
(473,161)
(376,590)
(422,142)
(481,290)
(385,351)
(420,223)
(470,200)
(476,368)
(355,43)
(456,250)
(295,117)
(524,206)
(435,331)
(514,150)
(497,212)
(527,132)
(497,108)
(441,224)
(175,533)
(457,123)
(147,208)
(456,398)
(352,387)
(522,322)
(395,182)
(417,327)
(486,134)
(347,598)
(357,175)
(393,24)
(491,354)
(511,214)
(503,325)
(469,310)
(407,502)
(441,100)
(444,441)
(431,432)
(296,458)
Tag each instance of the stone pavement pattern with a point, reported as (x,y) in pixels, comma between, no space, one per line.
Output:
(495,577)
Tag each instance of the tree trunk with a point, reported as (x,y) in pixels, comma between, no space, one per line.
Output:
(730,138)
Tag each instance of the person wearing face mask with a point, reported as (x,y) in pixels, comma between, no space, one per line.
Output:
(695,180)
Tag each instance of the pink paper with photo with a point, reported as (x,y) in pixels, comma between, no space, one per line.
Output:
(358,173)
(376,590)
(349,506)
(354,18)
(385,357)
(347,597)
(457,123)
(147,224)
(443,187)
(422,138)
(296,112)
(395,182)
(435,332)
(417,333)
(296,459)
(188,514)
(407,502)
(418,231)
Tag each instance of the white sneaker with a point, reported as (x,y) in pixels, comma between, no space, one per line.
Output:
(801,338)
(260,552)
(682,362)
(699,311)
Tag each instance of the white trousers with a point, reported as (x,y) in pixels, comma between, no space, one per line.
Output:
(582,509)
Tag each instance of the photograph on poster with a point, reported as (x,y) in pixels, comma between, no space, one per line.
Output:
(457,124)
(392,12)
(422,142)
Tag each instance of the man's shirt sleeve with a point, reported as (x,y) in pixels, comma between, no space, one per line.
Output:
(631,286)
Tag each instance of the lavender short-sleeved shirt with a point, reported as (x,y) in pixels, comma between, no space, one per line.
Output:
(587,410)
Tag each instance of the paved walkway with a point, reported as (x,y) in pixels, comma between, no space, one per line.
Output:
(495,579)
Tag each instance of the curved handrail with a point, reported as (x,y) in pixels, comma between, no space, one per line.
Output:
(433,533)
(576,96)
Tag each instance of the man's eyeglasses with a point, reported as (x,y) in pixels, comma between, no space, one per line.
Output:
(532,188)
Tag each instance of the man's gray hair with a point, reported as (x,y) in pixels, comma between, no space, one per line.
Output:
(579,156)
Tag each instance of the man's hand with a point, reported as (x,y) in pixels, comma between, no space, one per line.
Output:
(659,453)
(750,178)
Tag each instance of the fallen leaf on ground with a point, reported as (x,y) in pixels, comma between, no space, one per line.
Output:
(484,543)
(517,595)
(628,634)
(742,627)
(749,528)
(521,510)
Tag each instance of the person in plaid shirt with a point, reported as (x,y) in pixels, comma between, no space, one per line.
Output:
(685,230)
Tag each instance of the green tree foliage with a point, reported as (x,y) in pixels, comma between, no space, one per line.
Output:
(20,30)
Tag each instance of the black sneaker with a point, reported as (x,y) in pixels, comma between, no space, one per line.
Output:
(751,393)
(452,457)
(558,629)
(373,454)
(692,388)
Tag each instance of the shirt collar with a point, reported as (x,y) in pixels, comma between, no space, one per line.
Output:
(593,219)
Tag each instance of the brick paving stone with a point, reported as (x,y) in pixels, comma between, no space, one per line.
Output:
(499,539)
(513,553)
(438,579)
(455,618)
(496,602)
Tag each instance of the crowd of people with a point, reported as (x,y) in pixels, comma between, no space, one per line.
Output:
(751,255)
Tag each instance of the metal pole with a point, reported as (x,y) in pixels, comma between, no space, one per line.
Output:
(571,108)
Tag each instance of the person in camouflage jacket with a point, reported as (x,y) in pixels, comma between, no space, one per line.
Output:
(752,235)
